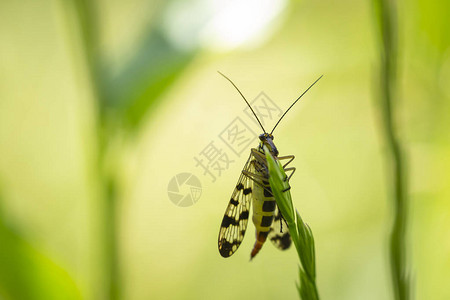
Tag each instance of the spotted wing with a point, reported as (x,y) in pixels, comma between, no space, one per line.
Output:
(235,220)
(279,232)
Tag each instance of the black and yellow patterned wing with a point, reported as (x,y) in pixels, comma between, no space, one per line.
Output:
(279,232)
(235,220)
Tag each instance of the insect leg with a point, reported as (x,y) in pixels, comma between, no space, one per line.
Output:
(260,164)
(259,157)
(290,175)
(254,177)
(258,179)
(290,157)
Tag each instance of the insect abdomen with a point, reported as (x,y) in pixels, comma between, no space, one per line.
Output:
(263,213)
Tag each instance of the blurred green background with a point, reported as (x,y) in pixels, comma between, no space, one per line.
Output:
(103,102)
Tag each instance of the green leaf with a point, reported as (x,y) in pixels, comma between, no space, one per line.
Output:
(300,232)
(278,182)
(26,273)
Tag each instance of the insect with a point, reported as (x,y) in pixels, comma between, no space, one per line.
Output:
(253,188)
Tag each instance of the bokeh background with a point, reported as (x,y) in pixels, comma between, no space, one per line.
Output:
(103,102)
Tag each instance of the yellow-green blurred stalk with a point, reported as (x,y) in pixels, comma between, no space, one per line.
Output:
(88,27)
(386,15)
(122,103)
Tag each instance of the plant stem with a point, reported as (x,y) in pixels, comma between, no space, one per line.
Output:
(387,18)
(85,12)
(111,244)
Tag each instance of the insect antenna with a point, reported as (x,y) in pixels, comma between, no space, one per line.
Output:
(244,100)
(295,102)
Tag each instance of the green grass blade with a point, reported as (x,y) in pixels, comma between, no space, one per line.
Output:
(300,232)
